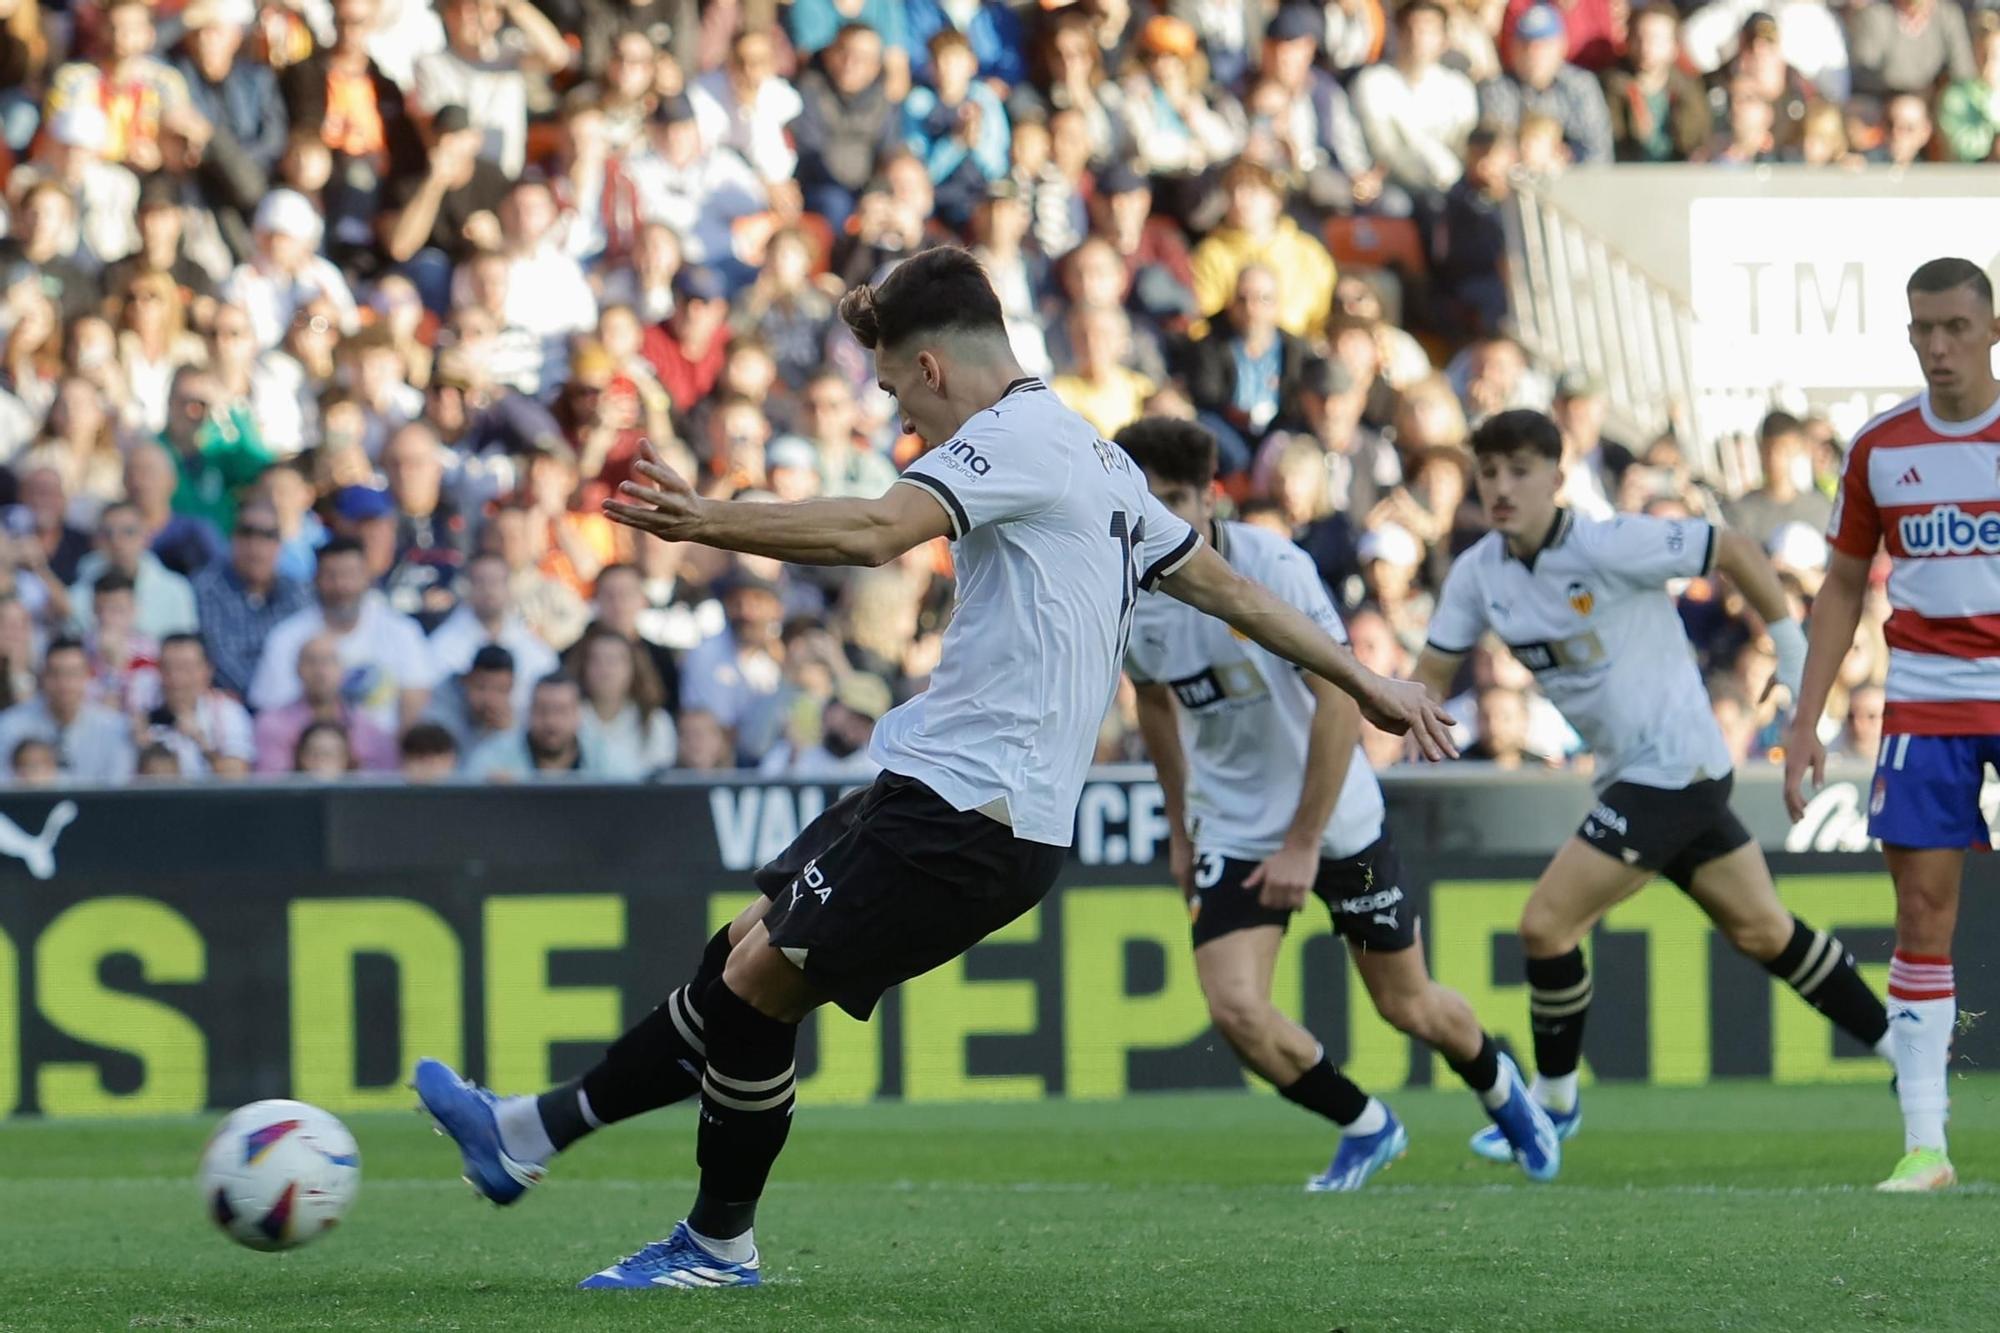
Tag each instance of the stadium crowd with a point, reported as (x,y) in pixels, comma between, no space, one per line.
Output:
(328,324)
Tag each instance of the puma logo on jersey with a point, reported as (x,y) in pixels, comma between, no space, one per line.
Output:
(968,457)
(1387,918)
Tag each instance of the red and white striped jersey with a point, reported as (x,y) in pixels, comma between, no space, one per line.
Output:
(1929,492)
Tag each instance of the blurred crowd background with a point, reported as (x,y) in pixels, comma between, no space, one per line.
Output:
(328,324)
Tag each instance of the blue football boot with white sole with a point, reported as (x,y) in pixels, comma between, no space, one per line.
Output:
(464,1111)
(1524,1132)
(679,1261)
(1361,1156)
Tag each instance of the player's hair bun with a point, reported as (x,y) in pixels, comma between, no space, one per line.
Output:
(858,311)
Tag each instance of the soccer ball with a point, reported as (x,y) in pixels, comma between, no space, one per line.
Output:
(277,1174)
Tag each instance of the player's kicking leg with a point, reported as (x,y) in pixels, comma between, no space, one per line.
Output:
(506,1143)
(1235,971)
(1580,885)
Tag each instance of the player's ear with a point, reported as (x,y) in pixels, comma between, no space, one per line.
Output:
(933,371)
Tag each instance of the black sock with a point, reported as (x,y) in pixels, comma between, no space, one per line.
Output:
(746,1111)
(657,1063)
(1329,1092)
(1820,969)
(1482,1071)
(1558,1002)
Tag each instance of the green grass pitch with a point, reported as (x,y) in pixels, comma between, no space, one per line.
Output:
(1727,1207)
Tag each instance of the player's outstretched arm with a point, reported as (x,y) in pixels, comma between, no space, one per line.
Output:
(1836,614)
(1208,584)
(804,532)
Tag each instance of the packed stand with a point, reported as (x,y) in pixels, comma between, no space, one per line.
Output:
(329,324)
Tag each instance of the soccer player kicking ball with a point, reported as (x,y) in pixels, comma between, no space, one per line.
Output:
(1054,536)
(1269,799)
(1921,481)
(1583,604)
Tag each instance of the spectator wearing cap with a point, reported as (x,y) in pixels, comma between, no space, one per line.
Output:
(240,100)
(1908,46)
(486,617)
(71,153)
(1416,112)
(1969,110)
(736,675)
(165,601)
(1539,80)
(44,248)
(1593,30)
(92,743)
(438,217)
(697,192)
(845,728)
(485,700)
(215,447)
(206,728)
(1786,494)
(1244,373)
(240,598)
(957,126)
(484,68)
(388,668)
(991,29)
(1158,269)
(285,271)
(745,106)
(326,696)
(1659,111)
(1313,130)
(688,351)
(138,94)
(1177,123)
(366,516)
(163,247)
(848,119)
(1256,230)
(625,720)
(1809,34)
(551,745)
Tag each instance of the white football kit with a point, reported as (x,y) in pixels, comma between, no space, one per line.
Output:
(1245,713)
(1054,535)
(1589,614)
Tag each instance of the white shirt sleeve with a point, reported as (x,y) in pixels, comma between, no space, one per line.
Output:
(1642,552)
(1166,543)
(1458,619)
(984,475)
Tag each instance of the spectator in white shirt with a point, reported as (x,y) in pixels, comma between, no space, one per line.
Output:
(165,599)
(92,743)
(484,68)
(746,106)
(388,671)
(547,293)
(206,729)
(698,193)
(486,615)
(1415,112)
(624,716)
(285,270)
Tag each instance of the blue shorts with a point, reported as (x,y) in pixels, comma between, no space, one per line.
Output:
(1926,791)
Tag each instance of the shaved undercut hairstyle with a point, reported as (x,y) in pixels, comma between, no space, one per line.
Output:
(937,291)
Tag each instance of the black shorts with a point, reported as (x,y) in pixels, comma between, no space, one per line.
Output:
(1673,832)
(1364,894)
(890,882)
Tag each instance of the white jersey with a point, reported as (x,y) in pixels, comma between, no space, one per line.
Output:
(1589,614)
(1053,535)
(1246,713)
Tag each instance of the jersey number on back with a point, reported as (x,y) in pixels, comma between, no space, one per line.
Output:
(1128,535)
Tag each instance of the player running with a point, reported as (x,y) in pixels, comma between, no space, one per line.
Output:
(1921,482)
(1269,798)
(1054,536)
(1583,604)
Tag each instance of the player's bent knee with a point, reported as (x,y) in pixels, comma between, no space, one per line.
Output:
(1409,1012)
(1761,939)
(1546,932)
(1240,1015)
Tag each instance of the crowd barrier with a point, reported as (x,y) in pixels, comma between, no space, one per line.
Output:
(167,951)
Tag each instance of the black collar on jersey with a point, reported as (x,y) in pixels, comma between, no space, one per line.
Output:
(1025,383)
(1558,532)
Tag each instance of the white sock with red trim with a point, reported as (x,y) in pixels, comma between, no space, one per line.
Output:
(1923,1010)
